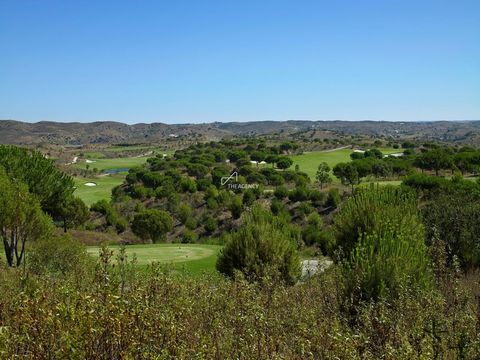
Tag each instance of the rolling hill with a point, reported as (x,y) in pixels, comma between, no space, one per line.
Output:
(109,132)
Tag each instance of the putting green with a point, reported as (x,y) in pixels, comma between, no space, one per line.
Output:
(192,257)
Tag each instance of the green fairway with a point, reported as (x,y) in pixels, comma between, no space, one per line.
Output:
(193,258)
(105,183)
(103,190)
(114,163)
(309,161)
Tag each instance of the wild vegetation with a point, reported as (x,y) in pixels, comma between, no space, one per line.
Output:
(403,283)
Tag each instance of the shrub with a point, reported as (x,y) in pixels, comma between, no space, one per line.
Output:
(455,216)
(203,184)
(188,185)
(188,236)
(281,192)
(191,223)
(305,208)
(152,224)
(333,198)
(184,212)
(262,246)
(424,182)
(249,197)
(300,193)
(210,224)
(368,208)
(387,259)
(277,207)
(236,207)
(212,204)
(317,197)
(315,233)
(58,255)
(112,217)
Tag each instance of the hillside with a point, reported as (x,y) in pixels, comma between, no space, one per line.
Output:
(108,132)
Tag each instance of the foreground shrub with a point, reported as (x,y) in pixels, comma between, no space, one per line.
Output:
(365,212)
(58,255)
(263,245)
(456,218)
(151,314)
(384,261)
(315,233)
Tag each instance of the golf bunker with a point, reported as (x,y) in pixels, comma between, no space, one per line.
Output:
(90,184)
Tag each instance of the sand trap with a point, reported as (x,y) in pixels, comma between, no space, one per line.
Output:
(90,184)
(90,161)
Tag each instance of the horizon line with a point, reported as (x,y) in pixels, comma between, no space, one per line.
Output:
(233,122)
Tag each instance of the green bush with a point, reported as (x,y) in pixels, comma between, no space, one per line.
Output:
(455,216)
(58,255)
(191,223)
(184,212)
(236,207)
(281,192)
(188,236)
(365,212)
(315,233)
(152,224)
(210,224)
(388,259)
(264,245)
(333,198)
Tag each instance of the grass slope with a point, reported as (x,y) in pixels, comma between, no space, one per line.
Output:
(193,258)
(103,190)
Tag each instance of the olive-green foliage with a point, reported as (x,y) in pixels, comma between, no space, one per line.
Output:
(347,173)
(152,224)
(236,206)
(455,216)
(387,259)
(281,192)
(315,233)
(188,236)
(184,212)
(365,212)
(210,224)
(74,213)
(58,255)
(112,217)
(323,174)
(124,314)
(264,245)
(333,198)
(21,219)
(51,186)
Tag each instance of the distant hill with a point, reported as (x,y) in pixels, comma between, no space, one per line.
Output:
(102,132)
(105,132)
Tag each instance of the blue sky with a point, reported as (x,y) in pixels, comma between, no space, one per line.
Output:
(203,61)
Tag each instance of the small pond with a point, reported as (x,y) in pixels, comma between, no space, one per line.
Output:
(115,171)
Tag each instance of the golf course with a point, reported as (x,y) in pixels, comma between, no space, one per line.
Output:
(308,162)
(112,172)
(193,258)
(92,189)
(113,163)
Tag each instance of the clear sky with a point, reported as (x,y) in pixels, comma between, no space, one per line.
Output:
(201,61)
